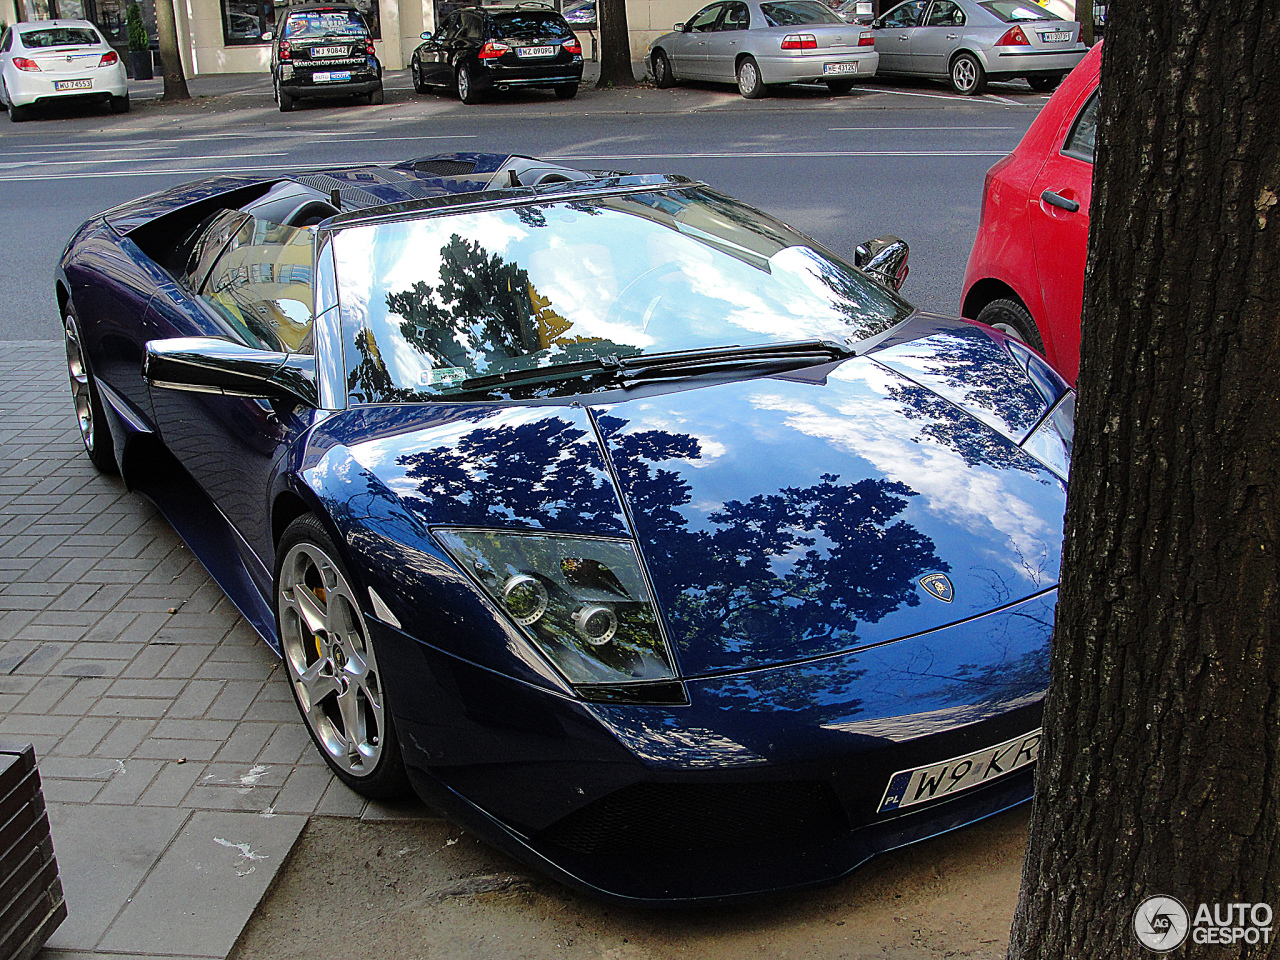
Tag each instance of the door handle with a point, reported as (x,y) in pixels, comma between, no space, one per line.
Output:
(953,36)
(1059,201)
(902,39)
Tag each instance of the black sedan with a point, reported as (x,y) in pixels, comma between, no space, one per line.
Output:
(481,49)
(658,545)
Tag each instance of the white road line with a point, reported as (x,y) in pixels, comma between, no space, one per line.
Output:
(64,163)
(935,128)
(223,138)
(286,167)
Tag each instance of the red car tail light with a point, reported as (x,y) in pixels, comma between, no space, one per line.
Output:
(866,40)
(573,46)
(800,41)
(492,49)
(1013,37)
(368,48)
(286,51)
(109,58)
(22,63)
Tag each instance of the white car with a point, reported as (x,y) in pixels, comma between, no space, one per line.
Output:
(45,60)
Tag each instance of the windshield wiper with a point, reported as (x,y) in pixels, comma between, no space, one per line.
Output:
(675,365)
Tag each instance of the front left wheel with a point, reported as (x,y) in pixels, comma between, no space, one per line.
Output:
(330,661)
(91,418)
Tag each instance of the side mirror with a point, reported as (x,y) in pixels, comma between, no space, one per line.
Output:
(268,35)
(211,365)
(678,28)
(425,35)
(884,259)
(877,24)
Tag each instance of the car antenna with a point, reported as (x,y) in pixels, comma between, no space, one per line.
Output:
(513,179)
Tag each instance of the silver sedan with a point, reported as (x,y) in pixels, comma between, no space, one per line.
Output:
(756,44)
(972,41)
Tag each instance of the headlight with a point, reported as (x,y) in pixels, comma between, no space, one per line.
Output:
(1050,442)
(582,601)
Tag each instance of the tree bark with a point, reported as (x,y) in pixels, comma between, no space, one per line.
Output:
(615,45)
(175,80)
(1160,766)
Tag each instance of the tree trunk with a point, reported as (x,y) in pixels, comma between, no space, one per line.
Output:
(175,81)
(615,45)
(1160,767)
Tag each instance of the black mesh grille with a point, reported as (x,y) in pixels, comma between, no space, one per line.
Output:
(445,168)
(655,818)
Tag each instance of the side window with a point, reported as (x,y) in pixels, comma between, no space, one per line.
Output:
(705,19)
(472,27)
(944,13)
(735,17)
(451,27)
(1084,131)
(7,41)
(905,15)
(262,286)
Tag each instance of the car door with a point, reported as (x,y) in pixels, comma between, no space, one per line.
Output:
(937,38)
(726,41)
(688,54)
(893,35)
(435,66)
(258,292)
(1059,218)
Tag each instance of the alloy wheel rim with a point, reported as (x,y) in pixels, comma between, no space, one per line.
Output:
(964,74)
(330,660)
(464,83)
(79,375)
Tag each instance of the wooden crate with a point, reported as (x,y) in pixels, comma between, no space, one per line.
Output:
(31,902)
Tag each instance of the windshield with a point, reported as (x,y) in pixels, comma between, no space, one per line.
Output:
(59,37)
(795,13)
(429,303)
(530,26)
(1011,11)
(323,23)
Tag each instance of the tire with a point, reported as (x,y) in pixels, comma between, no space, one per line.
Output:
(377,97)
(416,72)
(120,104)
(1012,318)
(285,101)
(839,86)
(467,92)
(91,418)
(967,75)
(749,83)
(662,75)
(330,663)
(17,114)
(566,91)
(1044,84)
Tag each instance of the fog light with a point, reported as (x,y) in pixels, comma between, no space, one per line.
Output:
(526,598)
(596,624)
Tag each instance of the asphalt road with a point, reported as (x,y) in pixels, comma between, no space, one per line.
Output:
(905,160)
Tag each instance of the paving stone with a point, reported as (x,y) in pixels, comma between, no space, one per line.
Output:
(167,749)
(304,790)
(130,782)
(69,791)
(339,800)
(246,743)
(82,696)
(129,707)
(178,729)
(46,692)
(288,742)
(171,784)
(196,698)
(149,662)
(104,853)
(207,884)
(84,736)
(124,738)
(234,699)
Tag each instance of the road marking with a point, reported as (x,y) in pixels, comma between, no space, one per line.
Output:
(63,163)
(935,128)
(223,138)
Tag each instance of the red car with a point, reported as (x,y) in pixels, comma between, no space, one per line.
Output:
(1026,270)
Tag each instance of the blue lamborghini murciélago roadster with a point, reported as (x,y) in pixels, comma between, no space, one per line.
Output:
(659,546)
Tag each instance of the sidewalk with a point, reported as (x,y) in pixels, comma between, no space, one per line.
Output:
(175,768)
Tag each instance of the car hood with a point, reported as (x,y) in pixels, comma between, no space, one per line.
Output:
(779,519)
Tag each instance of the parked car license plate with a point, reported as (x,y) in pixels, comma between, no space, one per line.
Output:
(922,784)
(1058,36)
(73,85)
(328,51)
(830,68)
(536,51)
(329,76)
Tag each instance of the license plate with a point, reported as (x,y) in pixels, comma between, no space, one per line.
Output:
(910,787)
(330,76)
(328,51)
(1060,36)
(536,51)
(73,85)
(830,68)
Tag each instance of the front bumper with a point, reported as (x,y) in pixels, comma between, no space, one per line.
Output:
(1015,62)
(810,67)
(769,780)
(30,87)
